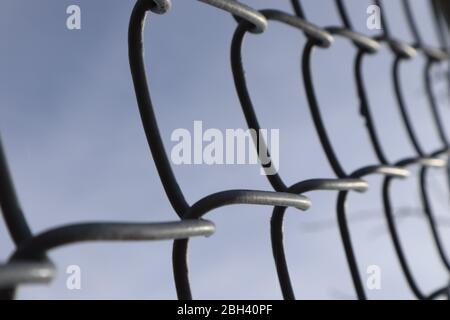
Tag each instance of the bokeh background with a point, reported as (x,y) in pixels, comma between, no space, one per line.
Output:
(72,133)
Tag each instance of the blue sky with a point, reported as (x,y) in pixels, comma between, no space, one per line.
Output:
(72,133)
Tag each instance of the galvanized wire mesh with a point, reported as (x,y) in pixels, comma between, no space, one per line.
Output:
(29,263)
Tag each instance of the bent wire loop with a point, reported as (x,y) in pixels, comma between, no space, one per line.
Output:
(321,38)
(173,191)
(29,245)
(433,56)
(239,10)
(382,169)
(29,264)
(365,45)
(373,136)
(405,52)
(13,274)
(439,23)
(401,51)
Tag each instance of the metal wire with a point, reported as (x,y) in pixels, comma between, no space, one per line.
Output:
(323,39)
(183,209)
(433,56)
(401,51)
(29,262)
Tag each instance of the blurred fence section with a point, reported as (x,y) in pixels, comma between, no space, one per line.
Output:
(30,264)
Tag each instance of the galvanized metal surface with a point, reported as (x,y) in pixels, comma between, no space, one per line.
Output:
(29,264)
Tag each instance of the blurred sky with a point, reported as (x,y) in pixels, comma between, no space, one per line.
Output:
(72,133)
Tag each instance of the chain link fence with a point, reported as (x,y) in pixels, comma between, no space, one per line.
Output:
(29,262)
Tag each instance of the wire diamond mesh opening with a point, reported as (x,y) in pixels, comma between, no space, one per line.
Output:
(331,100)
